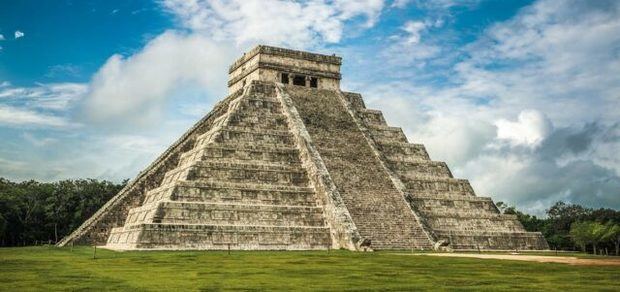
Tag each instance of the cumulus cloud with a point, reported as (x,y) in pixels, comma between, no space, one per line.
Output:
(134,89)
(19,34)
(292,23)
(560,56)
(530,129)
(535,179)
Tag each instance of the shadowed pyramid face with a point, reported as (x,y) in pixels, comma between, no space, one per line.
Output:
(271,64)
(291,162)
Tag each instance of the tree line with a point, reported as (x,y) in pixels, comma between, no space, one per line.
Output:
(34,212)
(574,227)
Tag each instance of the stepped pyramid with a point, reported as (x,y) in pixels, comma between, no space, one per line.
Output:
(288,161)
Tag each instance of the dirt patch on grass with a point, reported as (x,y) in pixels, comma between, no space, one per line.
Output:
(533,258)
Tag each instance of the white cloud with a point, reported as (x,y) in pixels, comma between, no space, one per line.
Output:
(13,116)
(443,4)
(292,23)
(18,34)
(557,56)
(2,37)
(530,129)
(401,3)
(50,96)
(41,106)
(133,90)
(414,30)
(408,48)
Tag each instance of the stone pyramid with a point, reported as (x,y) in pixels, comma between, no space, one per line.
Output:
(290,162)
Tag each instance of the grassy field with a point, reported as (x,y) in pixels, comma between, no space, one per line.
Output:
(49,268)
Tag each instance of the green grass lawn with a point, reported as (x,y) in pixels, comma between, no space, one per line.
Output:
(49,268)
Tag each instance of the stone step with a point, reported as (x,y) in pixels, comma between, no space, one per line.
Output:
(474,240)
(249,164)
(242,151)
(181,212)
(355,99)
(372,117)
(234,192)
(448,194)
(449,197)
(163,192)
(386,133)
(399,151)
(200,168)
(468,223)
(438,185)
(408,170)
(465,214)
(214,237)
(245,135)
(455,207)
(268,104)
(259,120)
(471,204)
(405,158)
(180,173)
(248,173)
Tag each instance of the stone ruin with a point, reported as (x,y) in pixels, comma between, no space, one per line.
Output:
(288,161)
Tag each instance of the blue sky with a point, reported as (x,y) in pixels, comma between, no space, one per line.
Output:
(520,97)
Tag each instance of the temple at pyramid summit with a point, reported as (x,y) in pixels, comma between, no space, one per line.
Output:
(288,161)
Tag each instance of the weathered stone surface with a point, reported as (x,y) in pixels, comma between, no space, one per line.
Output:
(377,208)
(294,163)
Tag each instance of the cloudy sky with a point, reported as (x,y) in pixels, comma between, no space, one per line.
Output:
(520,97)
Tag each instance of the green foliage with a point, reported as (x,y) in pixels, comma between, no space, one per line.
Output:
(61,269)
(33,212)
(580,233)
(568,225)
(612,231)
(591,232)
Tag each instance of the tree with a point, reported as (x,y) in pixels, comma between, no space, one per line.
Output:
(588,232)
(612,233)
(560,217)
(597,234)
(32,211)
(580,233)
(2,228)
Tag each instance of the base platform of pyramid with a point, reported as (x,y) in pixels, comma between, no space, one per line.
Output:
(288,161)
